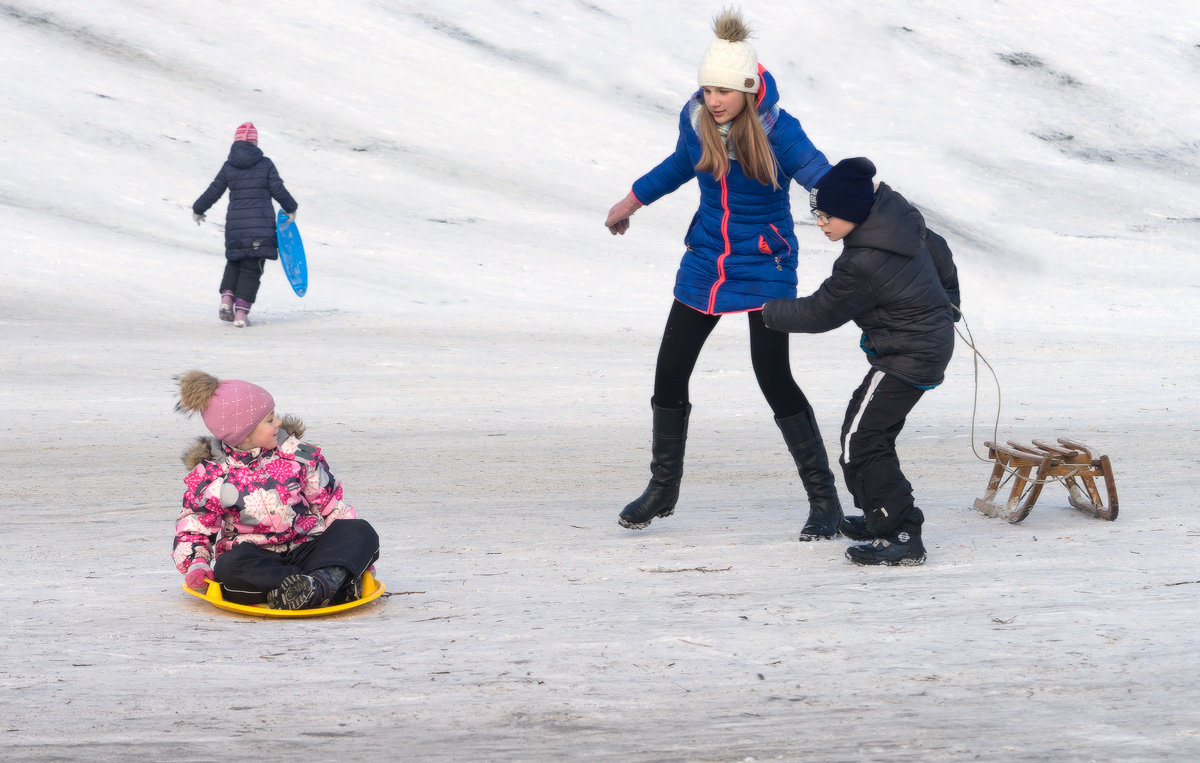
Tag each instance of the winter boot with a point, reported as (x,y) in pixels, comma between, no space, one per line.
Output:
(855,527)
(241,313)
(903,548)
(352,590)
(803,441)
(666,469)
(315,589)
(225,311)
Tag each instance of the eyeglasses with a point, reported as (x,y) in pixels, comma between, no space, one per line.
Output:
(820,217)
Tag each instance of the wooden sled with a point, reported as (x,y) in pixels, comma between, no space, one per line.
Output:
(372,589)
(1031,467)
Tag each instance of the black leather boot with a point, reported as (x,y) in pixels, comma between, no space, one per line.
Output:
(666,469)
(804,443)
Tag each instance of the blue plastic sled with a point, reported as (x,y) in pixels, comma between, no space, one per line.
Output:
(291,253)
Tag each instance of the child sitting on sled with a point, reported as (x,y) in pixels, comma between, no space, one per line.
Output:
(896,279)
(262,514)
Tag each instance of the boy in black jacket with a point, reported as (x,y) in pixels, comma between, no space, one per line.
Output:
(896,279)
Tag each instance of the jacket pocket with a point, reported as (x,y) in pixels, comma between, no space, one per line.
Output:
(687,237)
(773,243)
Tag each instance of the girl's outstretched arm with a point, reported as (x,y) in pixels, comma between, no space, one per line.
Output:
(618,216)
(670,173)
(799,158)
(211,194)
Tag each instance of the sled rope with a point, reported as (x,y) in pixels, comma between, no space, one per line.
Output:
(1068,462)
(969,339)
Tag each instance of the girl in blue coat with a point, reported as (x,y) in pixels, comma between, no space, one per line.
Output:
(250,240)
(743,151)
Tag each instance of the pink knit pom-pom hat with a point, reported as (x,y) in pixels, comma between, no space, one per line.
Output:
(231,409)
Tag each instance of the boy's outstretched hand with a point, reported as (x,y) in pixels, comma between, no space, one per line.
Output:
(618,216)
(197,577)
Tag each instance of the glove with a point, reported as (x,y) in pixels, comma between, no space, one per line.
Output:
(197,577)
(199,218)
(618,216)
(763,313)
(291,218)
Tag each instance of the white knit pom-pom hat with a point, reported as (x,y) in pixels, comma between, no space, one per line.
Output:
(730,62)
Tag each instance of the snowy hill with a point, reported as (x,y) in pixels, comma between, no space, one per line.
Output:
(475,355)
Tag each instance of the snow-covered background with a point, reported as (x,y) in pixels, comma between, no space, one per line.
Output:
(475,356)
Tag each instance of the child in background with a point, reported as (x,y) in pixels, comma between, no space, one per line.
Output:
(262,514)
(250,240)
(896,279)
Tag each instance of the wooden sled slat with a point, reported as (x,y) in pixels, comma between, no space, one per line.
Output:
(1076,465)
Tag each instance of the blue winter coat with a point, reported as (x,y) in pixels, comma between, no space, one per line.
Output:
(741,248)
(252,181)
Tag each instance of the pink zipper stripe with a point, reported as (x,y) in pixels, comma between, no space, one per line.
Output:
(712,294)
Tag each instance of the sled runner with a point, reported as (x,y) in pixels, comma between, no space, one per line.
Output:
(372,590)
(1069,461)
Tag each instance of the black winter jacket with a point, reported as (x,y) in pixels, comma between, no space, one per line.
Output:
(897,281)
(252,181)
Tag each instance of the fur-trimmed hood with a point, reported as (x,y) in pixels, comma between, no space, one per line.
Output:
(206,448)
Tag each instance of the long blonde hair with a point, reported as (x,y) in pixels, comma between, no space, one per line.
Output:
(747,140)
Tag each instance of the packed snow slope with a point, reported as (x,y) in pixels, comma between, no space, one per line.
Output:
(475,357)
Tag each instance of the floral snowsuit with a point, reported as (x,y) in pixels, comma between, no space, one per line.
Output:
(276,499)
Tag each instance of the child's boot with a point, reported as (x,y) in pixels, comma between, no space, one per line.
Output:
(315,589)
(225,312)
(900,548)
(352,590)
(241,313)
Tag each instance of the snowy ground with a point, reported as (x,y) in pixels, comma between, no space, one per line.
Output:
(475,356)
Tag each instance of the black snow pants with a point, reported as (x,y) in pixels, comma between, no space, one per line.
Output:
(247,572)
(243,277)
(869,462)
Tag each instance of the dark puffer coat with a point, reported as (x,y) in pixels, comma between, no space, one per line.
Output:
(897,281)
(252,181)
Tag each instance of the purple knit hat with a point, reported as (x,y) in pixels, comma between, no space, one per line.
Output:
(236,409)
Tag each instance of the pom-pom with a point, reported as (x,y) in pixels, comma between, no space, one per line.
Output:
(730,26)
(196,390)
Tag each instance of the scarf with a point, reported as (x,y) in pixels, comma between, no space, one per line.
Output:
(766,118)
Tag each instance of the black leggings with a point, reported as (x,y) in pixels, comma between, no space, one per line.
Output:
(685,334)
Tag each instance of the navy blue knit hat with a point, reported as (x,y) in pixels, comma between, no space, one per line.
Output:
(846,190)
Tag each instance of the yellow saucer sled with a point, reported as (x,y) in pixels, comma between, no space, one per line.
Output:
(372,590)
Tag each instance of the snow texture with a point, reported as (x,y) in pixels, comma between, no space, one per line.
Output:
(475,357)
